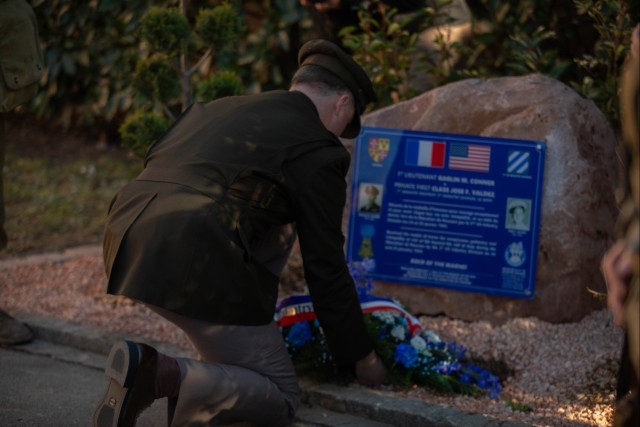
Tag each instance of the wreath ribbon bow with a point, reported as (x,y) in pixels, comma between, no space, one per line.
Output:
(299,308)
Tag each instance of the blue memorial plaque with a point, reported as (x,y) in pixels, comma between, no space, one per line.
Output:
(450,211)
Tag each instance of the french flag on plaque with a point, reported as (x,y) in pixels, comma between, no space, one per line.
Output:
(424,153)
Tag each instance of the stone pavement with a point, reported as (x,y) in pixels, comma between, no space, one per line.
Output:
(57,379)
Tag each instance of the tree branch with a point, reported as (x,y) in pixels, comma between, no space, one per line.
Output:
(205,55)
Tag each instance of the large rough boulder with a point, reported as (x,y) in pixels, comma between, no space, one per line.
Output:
(578,201)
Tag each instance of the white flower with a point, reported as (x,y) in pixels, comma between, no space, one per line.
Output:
(398,333)
(384,316)
(418,343)
(431,336)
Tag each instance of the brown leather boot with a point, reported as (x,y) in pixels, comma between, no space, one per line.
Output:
(12,331)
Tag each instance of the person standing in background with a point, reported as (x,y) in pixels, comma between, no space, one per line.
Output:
(21,66)
(621,264)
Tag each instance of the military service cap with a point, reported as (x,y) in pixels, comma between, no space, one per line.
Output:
(331,57)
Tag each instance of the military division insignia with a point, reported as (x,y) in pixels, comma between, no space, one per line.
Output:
(518,162)
(379,148)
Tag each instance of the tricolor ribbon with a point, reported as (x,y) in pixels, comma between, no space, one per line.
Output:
(299,308)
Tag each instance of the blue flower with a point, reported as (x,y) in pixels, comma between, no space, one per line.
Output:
(486,380)
(465,378)
(423,359)
(359,272)
(406,355)
(495,390)
(300,334)
(446,367)
(457,351)
(474,368)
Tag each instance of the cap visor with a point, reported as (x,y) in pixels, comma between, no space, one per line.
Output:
(353,128)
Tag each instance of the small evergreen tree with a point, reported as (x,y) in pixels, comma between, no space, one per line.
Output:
(174,73)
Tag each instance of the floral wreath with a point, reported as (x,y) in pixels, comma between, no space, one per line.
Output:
(411,354)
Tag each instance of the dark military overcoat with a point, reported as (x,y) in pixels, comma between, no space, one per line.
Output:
(180,235)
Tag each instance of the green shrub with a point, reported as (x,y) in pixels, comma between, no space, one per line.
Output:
(156,79)
(600,69)
(221,84)
(166,30)
(90,51)
(384,48)
(161,79)
(219,26)
(140,129)
(582,43)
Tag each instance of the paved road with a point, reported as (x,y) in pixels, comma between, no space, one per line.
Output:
(42,384)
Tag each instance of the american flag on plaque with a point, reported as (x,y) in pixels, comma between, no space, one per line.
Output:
(470,157)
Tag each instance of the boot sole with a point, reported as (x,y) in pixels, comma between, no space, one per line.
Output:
(120,368)
(122,362)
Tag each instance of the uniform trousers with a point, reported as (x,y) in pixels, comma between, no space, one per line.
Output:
(244,373)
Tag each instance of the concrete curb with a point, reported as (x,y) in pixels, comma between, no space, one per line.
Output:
(382,407)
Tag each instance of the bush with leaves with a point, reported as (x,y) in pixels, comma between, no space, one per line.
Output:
(600,69)
(221,84)
(384,47)
(582,43)
(165,30)
(90,51)
(276,30)
(142,127)
(385,43)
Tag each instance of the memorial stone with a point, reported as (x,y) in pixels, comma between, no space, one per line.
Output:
(578,196)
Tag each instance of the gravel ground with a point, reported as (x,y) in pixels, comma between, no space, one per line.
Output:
(559,375)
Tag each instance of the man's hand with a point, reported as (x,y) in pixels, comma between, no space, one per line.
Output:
(370,371)
(616,269)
